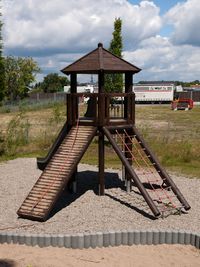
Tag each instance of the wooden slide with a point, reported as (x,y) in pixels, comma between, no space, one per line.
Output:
(58,172)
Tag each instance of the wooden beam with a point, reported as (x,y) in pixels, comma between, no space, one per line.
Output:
(101,81)
(73,83)
(74,109)
(101,163)
(101,99)
(164,175)
(128,89)
(128,82)
(128,115)
(132,173)
(74,99)
(69,109)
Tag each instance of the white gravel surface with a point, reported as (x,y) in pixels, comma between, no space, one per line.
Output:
(85,211)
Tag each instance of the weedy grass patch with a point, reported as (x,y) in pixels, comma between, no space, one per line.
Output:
(174,136)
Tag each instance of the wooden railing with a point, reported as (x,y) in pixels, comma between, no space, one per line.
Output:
(102,108)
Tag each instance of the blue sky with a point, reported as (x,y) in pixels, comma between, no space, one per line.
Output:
(160,36)
(164,5)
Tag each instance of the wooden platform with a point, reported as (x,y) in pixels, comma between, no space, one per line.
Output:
(44,194)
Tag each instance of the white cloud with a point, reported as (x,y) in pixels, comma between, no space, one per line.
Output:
(57,33)
(161,60)
(186,20)
(48,26)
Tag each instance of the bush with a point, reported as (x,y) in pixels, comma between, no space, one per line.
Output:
(17,133)
(2,144)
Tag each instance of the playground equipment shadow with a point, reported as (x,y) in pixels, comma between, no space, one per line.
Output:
(88,180)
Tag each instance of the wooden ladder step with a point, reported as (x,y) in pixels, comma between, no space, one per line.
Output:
(57,173)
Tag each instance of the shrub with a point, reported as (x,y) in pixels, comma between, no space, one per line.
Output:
(17,133)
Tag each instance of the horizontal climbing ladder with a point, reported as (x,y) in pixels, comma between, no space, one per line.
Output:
(44,194)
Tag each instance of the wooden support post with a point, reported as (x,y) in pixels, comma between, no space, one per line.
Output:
(128,155)
(73,98)
(133,108)
(107,109)
(69,109)
(123,173)
(74,108)
(128,89)
(128,82)
(95,111)
(128,115)
(101,117)
(101,99)
(74,181)
(101,163)
(162,172)
(134,176)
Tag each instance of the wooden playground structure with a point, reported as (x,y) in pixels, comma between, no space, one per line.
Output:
(142,169)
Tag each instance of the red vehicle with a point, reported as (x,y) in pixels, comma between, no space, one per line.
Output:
(182,104)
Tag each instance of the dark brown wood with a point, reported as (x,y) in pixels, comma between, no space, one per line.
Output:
(74,99)
(100,59)
(44,180)
(128,155)
(132,107)
(128,115)
(128,89)
(61,163)
(107,109)
(42,162)
(101,81)
(162,172)
(69,109)
(91,108)
(132,173)
(103,106)
(128,82)
(119,128)
(101,163)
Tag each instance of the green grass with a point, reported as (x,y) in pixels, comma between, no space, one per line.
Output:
(174,136)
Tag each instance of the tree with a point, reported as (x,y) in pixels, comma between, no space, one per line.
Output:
(53,83)
(20,73)
(114,82)
(2,85)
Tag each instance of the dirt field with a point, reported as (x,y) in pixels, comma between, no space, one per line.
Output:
(137,256)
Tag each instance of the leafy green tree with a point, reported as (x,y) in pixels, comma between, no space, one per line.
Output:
(114,82)
(53,83)
(2,85)
(20,73)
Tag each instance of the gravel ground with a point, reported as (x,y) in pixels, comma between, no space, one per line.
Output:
(85,211)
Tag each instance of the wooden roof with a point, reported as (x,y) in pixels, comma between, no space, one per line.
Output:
(100,59)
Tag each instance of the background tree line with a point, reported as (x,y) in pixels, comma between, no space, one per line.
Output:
(18,76)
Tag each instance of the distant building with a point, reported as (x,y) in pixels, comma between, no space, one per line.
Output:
(154,92)
(81,89)
(194,87)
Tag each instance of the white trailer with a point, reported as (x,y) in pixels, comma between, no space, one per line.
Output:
(154,93)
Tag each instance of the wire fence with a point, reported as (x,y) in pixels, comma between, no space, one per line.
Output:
(35,100)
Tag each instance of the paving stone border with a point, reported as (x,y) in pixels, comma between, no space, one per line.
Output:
(103,239)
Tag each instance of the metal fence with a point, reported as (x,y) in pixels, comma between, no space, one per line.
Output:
(194,95)
(37,97)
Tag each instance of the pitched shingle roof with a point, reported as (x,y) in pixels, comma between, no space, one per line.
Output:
(100,59)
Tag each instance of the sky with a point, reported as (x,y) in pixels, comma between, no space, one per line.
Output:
(161,37)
